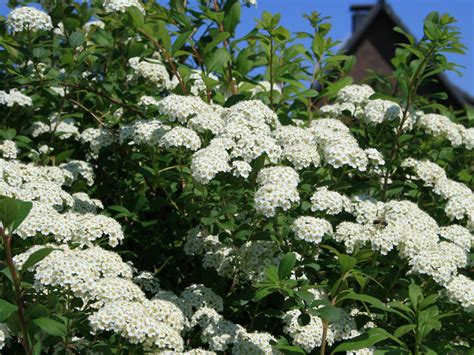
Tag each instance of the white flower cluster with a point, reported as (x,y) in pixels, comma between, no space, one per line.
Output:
(136,322)
(75,269)
(241,169)
(298,146)
(4,334)
(198,86)
(79,168)
(181,108)
(102,279)
(311,229)
(77,223)
(254,257)
(143,132)
(460,198)
(243,133)
(249,126)
(440,126)
(196,296)
(28,19)
(257,343)
(111,6)
(98,138)
(181,137)
(458,235)
(355,94)
(154,71)
(58,90)
(84,204)
(246,262)
(14,97)
(351,99)
(310,336)
(63,128)
(91,24)
(221,334)
(277,189)
(414,233)
(331,202)
(440,262)
(9,149)
(210,161)
(91,227)
(216,331)
(338,145)
(461,289)
(146,101)
(377,111)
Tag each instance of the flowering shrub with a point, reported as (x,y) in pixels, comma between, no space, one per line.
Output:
(168,187)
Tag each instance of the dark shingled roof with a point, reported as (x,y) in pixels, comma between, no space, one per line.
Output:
(382,8)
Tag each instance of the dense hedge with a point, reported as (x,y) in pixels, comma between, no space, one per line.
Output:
(170,187)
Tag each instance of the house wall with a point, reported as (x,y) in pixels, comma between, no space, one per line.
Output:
(374,50)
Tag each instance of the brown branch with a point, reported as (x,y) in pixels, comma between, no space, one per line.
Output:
(7,240)
(88,111)
(233,87)
(415,82)
(115,101)
(169,59)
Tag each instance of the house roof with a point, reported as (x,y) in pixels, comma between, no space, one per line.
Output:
(350,46)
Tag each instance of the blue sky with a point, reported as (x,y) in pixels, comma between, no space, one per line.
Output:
(411,12)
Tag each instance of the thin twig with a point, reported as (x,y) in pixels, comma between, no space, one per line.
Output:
(88,111)
(7,240)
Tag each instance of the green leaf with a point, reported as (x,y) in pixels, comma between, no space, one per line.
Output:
(263,292)
(415,294)
(6,271)
(364,298)
(272,274)
(428,301)
(35,258)
(136,16)
(13,212)
(346,262)
(232,17)
(333,88)
(64,155)
(306,296)
(50,326)
(71,23)
(220,37)
(290,350)
(76,38)
(180,41)
(400,331)
(103,38)
(286,265)
(36,311)
(163,35)
(6,309)
(330,313)
(362,341)
(217,59)
(120,209)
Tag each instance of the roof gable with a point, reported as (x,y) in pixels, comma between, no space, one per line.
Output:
(377,30)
